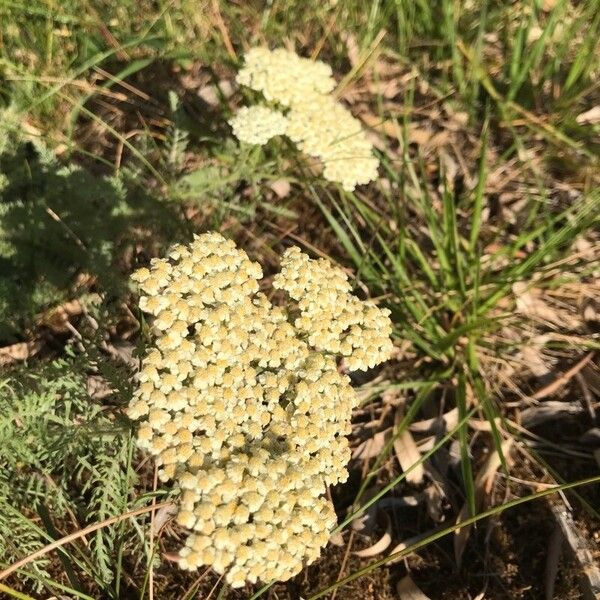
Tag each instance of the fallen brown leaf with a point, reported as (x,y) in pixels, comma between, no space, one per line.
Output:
(382,543)
(434,499)
(533,357)
(589,117)
(529,302)
(407,543)
(407,452)
(98,388)
(162,516)
(419,136)
(373,446)
(171,556)
(281,187)
(19,352)
(337,539)
(407,590)
(366,522)
(212,94)
(56,318)
(483,424)
(385,127)
(353,49)
(444,423)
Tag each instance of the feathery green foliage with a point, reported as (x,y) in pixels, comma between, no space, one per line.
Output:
(65,461)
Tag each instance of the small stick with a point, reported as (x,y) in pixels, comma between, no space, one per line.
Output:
(215,587)
(563,379)
(152,515)
(587,400)
(344,561)
(223,30)
(581,548)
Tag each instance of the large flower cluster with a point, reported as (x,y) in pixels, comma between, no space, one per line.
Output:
(243,409)
(317,123)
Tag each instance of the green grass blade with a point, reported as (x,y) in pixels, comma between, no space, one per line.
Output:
(13,593)
(480,188)
(463,439)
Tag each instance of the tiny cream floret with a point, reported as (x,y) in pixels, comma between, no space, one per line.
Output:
(245,408)
(314,120)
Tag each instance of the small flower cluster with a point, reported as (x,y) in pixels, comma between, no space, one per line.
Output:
(334,320)
(243,409)
(316,122)
(284,77)
(258,124)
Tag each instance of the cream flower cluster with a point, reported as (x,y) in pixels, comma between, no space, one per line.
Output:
(283,76)
(316,122)
(323,128)
(333,320)
(258,124)
(243,410)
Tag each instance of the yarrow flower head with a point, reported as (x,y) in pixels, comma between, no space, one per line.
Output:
(246,411)
(258,124)
(316,122)
(283,76)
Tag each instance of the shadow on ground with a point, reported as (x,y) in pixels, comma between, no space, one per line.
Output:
(64,230)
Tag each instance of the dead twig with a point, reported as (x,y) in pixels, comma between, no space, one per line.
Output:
(552,387)
(580,547)
(344,562)
(587,400)
(152,515)
(223,29)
